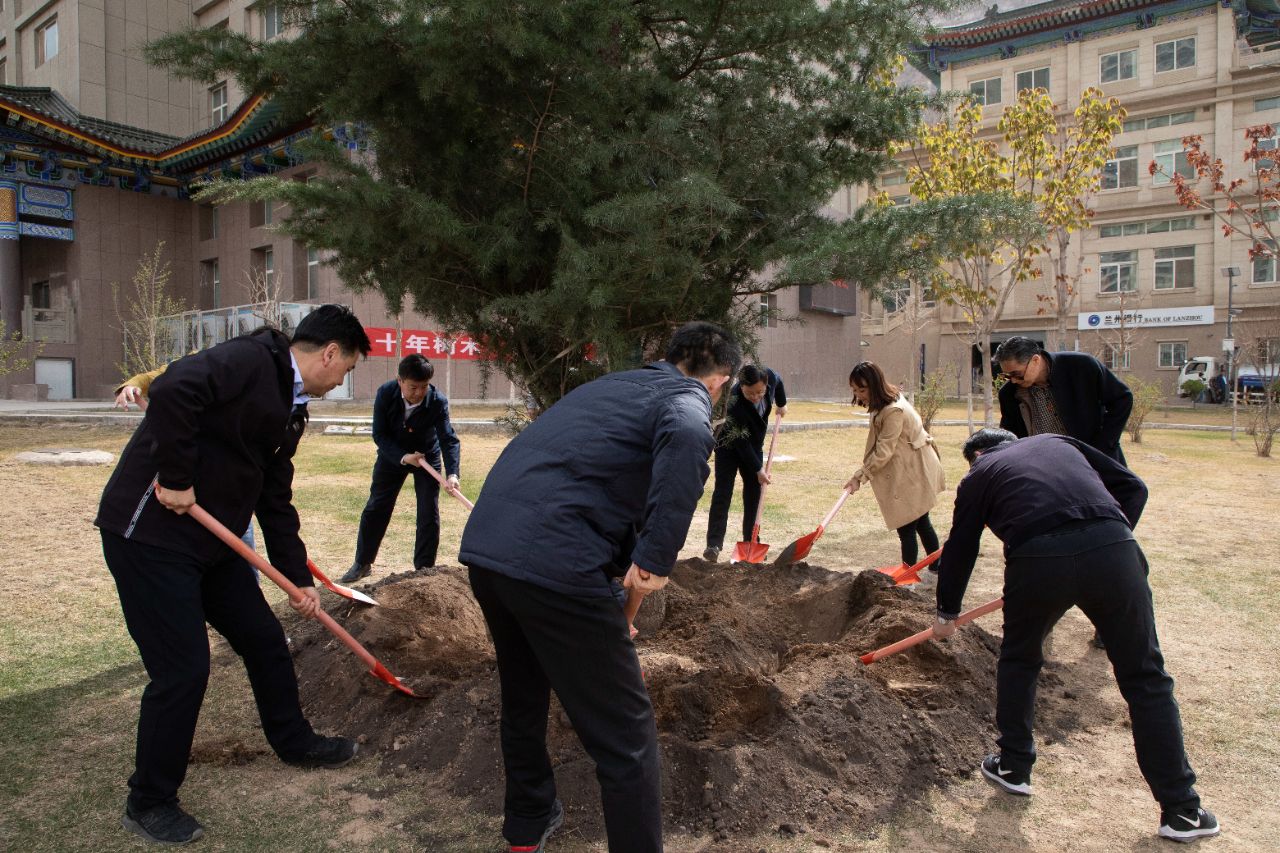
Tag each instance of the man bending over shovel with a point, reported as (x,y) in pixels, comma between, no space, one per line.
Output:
(226,422)
(603,482)
(1066,512)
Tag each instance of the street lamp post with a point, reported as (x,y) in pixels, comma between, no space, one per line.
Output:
(1229,345)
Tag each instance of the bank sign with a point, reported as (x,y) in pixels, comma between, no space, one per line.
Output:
(1143,318)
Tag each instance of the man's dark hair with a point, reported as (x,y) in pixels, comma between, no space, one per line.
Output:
(752,374)
(416,368)
(332,324)
(985,439)
(701,349)
(1018,350)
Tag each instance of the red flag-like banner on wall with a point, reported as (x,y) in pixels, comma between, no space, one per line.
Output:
(383,340)
(434,345)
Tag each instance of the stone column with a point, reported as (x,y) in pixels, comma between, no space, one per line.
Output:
(10,259)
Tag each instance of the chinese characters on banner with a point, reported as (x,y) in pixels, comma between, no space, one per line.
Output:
(433,345)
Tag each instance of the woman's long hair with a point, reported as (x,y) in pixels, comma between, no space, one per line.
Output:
(880,391)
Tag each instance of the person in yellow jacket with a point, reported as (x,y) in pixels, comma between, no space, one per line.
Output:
(900,462)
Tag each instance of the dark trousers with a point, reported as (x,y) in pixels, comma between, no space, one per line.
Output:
(383,491)
(728,467)
(907,533)
(167,598)
(1099,568)
(581,649)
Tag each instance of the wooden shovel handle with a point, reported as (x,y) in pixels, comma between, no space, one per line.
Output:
(927,633)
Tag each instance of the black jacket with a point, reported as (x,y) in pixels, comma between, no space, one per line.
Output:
(608,476)
(744,419)
(1027,488)
(427,430)
(220,420)
(1093,403)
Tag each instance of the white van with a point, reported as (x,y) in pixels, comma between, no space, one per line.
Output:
(1205,367)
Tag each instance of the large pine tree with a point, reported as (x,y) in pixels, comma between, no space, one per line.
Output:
(565,178)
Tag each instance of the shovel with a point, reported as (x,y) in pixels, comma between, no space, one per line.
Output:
(457,493)
(902,574)
(799,549)
(337,588)
(916,639)
(755,551)
(376,669)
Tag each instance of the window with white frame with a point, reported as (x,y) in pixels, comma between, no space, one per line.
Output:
(1268,144)
(1121,65)
(269,265)
(47,41)
(209,276)
(1115,358)
(1272,103)
(768,310)
(272,20)
(1150,226)
(1175,267)
(1119,271)
(1162,120)
(1171,355)
(313,274)
(1122,169)
(986,91)
(1176,54)
(1035,78)
(41,295)
(1264,266)
(1171,157)
(218,103)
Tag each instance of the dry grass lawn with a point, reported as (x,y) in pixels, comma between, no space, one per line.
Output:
(70,677)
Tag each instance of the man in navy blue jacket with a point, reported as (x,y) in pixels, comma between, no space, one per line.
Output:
(603,484)
(410,425)
(225,422)
(1065,513)
(751,401)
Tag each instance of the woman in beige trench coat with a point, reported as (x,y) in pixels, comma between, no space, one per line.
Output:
(900,461)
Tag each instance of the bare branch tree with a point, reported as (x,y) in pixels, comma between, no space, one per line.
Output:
(142,312)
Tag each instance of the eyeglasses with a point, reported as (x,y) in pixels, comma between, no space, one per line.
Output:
(1015,375)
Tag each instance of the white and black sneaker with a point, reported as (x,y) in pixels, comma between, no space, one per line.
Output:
(1013,781)
(1188,824)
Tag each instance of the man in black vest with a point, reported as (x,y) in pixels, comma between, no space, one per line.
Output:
(224,422)
(751,402)
(410,424)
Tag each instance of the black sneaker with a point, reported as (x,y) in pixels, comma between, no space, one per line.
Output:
(167,823)
(357,571)
(329,752)
(557,818)
(1013,781)
(1188,824)
(1097,641)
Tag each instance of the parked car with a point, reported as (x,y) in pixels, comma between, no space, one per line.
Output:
(1249,377)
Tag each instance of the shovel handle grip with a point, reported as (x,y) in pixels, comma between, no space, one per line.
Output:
(235,543)
(457,493)
(927,633)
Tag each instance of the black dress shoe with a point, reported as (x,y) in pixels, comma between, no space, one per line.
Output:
(356,572)
(324,752)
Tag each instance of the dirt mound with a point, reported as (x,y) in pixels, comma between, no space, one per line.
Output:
(767,720)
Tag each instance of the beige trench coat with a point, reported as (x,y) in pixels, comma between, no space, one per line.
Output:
(902,464)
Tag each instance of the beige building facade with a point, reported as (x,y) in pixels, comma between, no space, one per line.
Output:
(1180,68)
(97,150)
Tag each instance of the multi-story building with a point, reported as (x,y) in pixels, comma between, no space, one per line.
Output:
(1180,67)
(97,152)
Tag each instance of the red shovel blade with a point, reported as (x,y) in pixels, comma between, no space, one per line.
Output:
(798,549)
(750,552)
(337,588)
(381,673)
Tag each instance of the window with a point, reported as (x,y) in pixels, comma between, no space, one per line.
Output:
(1175,267)
(1267,104)
(4,71)
(313,274)
(208,222)
(272,23)
(1171,157)
(1119,271)
(1036,78)
(1172,354)
(1172,55)
(261,213)
(218,103)
(1122,169)
(1153,226)
(1121,65)
(768,310)
(47,41)
(269,265)
(1114,359)
(986,91)
(1264,268)
(1266,162)
(210,278)
(41,295)
(893,179)
(1163,120)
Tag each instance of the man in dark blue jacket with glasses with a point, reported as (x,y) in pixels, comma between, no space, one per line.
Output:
(602,485)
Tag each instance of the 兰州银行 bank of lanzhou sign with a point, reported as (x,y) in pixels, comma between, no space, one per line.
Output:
(1146,317)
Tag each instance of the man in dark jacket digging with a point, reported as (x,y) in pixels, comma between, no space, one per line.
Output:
(410,425)
(603,484)
(225,423)
(1065,513)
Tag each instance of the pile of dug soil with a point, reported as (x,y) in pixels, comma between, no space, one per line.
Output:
(767,720)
